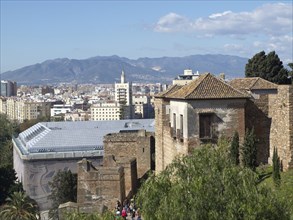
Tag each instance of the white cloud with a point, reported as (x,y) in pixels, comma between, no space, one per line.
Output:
(268,27)
(171,23)
(219,14)
(233,46)
(283,45)
(274,19)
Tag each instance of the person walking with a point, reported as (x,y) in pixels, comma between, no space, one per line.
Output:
(124,213)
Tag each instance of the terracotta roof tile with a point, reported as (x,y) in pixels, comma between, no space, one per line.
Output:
(252,83)
(168,91)
(207,86)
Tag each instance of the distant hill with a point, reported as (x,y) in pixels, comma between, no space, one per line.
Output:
(107,69)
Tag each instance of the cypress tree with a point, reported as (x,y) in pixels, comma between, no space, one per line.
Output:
(249,150)
(234,149)
(276,168)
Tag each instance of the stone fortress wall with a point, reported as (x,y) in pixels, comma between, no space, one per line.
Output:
(281,130)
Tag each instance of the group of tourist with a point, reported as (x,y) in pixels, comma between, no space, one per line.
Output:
(127,209)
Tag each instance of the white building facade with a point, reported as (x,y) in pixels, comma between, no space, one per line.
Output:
(60,109)
(105,111)
(123,96)
(186,78)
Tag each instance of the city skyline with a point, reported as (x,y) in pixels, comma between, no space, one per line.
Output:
(35,31)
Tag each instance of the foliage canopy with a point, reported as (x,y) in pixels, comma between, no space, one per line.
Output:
(276,168)
(206,185)
(91,216)
(63,189)
(20,207)
(8,183)
(249,150)
(268,67)
(234,149)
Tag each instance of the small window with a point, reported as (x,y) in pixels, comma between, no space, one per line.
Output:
(174,121)
(205,126)
(181,127)
(174,125)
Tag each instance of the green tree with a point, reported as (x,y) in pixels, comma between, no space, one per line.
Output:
(268,67)
(234,149)
(249,150)
(206,185)
(6,152)
(91,216)
(291,71)
(20,207)
(276,168)
(8,183)
(255,65)
(7,129)
(63,189)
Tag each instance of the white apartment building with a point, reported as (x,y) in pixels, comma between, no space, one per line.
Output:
(123,96)
(20,109)
(77,115)
(123,91)
(3,105)
(60,109)
(105,111)
(186,78)
(142,106)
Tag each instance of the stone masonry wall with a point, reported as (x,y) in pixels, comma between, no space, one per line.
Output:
(258,119)
(228,116)
(138,144)
(281,112)
(130,171)
(99,186)
(161,122)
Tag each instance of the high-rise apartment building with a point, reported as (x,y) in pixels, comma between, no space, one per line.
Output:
(123,96)
(8,88)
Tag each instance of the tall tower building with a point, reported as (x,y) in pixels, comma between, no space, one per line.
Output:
(8,88)
(123,96)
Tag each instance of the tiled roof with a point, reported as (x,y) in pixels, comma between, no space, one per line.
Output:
(207,86)
(168,91)
(252,83)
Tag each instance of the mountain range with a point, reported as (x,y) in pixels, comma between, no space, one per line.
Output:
(107,69)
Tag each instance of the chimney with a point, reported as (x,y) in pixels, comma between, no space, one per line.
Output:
(222,76)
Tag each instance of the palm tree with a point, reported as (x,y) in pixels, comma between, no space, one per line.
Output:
(19,206)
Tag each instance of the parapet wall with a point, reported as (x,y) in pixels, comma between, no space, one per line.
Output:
(99,186)
(139,144)
(256,117)
(281,132)
(130,172)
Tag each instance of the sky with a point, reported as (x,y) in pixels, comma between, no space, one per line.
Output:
(35,31)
